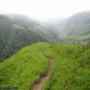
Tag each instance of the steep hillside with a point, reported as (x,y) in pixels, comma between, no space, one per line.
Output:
(74,29)
(17,31)
(13,36)
(35,26)
(70,67)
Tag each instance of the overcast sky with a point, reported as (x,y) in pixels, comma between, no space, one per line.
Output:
(44,9)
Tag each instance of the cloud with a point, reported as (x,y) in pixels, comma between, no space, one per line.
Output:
(44,9)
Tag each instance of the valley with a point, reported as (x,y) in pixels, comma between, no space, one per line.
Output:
(45,56)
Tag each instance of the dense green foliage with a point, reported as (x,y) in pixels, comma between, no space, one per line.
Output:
(71,67)
(24,68)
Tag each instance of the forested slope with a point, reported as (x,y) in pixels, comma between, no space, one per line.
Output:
(17,32)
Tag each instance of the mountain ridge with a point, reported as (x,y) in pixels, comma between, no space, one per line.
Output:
(15,34)
(74,27)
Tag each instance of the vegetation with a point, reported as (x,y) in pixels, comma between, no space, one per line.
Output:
(71,67)
(70,62)
(17,32)
(75,29)
(24,68)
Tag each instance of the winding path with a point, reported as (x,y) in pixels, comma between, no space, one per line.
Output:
(38,85)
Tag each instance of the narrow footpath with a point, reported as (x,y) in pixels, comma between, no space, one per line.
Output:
(43,79)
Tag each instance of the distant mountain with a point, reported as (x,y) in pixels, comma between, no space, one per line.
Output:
(35,26)
(18,31)
(22,19)
(75,29)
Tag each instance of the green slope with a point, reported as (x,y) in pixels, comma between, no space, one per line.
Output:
(14,36)
(24,68)
(71,67)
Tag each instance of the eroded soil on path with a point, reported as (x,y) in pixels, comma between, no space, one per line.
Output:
(38,85)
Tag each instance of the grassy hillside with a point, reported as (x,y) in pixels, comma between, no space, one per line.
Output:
(24,68)
(71,67)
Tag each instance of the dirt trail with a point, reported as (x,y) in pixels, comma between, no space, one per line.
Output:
(38,85)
